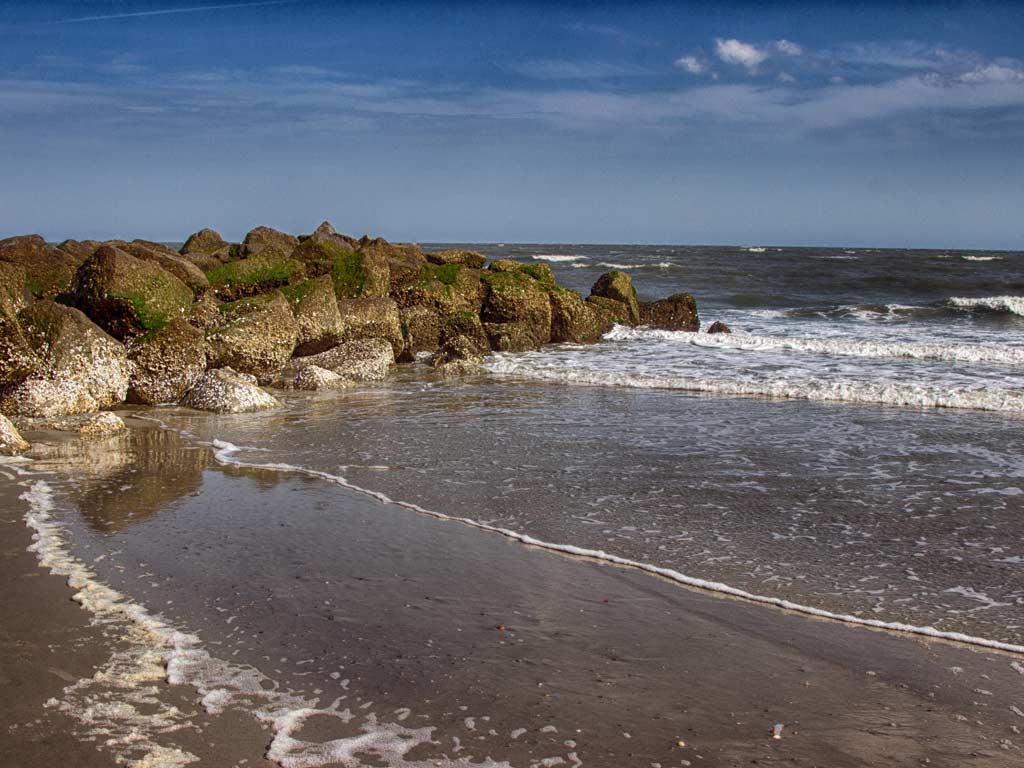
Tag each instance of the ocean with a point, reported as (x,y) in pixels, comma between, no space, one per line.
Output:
(853,450)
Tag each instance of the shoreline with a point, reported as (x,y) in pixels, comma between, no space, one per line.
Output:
(736,630)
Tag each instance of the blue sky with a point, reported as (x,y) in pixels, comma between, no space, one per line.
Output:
(828,123)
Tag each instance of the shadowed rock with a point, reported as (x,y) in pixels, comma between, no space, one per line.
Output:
(261,238)
(18,359)
(81,369)
(226,391)
(205,241)
(48,269)
(421,331)
(166,364)
(719,327)
(258,336)
(678,312)
(127,296)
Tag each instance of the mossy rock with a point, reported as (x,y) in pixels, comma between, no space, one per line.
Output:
(261,238)
(258,336)
(403,261)
(372,319)
(167,363)
(617,286)
(205,241)
(48,269)
(315,309)
(516,311)
(609,312)
(14,285)
(320,254)
(183,269)
(470,259)
(448,289)
(572,319)
(540,272)
(355,274)
(677,312)
(127,296)
(267,270)
(466,325)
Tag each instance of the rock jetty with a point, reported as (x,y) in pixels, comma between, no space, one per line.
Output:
(86,325)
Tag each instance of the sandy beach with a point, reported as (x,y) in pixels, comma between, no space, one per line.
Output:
(508,652)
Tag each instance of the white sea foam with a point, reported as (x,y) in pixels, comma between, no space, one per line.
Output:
(756,249)
(615,265)
(225,453)
(120,703)
(818,389)
(847,347)
(1011,304)
(558,257)
(982,258)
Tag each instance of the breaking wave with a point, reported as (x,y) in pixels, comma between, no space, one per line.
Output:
(847,347)
(1013,305)
(557,257)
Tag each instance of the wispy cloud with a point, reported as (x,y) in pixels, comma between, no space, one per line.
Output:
(692,65)
(733,51)
(559,69)
(167,11)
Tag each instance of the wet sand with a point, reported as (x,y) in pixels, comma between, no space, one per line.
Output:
(509,652)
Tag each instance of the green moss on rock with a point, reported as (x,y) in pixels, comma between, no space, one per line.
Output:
(267,270)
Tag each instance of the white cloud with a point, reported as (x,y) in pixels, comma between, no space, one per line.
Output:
(785,77)
(691,64)
(993,73)
(733,51)
(787,47)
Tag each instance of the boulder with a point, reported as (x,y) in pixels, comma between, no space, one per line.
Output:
(458,356)
(13,284)
(48,269)
(205,241)
(516,311)
(167,363)
(18,358)
(678,312)
(260,273)
(261,238)
(421,332)
(540,272)
(183,269)
(572,319)
(320,255)
(449,290)
(126,296)
(372,319)
(11,441)
(618,287)
(609,312)
(316,312)
(467,326)
(81,368)
(719,327)
(402,261)
(470,259)
(313,378)
(205,313)
(362,360)
(79,250)
(258,336)
(354,274)
(226,391)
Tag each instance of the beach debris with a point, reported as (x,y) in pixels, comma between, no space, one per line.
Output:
(777,731)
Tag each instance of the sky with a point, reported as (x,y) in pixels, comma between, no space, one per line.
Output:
(828,123)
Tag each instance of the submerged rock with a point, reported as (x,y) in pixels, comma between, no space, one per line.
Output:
(88,425)
(11,441)
(258,336)
(678,312)
(224,390)
(719,327)
(617,286)
(167,363)
(81,369)
(127,296)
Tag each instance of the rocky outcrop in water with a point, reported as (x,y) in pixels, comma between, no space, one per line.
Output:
(719,327)
(86,325)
